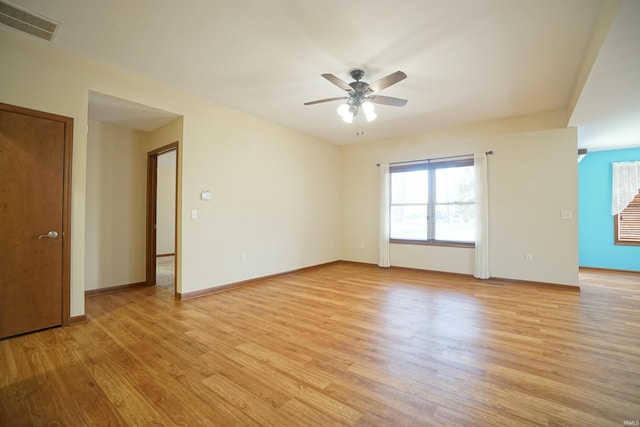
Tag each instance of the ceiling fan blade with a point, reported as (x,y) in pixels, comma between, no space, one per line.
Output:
(385,82)
(319,101)
(336,81)
(387,100)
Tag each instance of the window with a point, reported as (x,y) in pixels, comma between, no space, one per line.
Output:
(433,203)
(627,224)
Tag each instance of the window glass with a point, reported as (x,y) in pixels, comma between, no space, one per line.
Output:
(434,202)
(455,185)
(408,222)
(408,187)
(455,211)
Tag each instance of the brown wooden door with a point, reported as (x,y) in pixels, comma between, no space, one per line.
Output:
(33,203)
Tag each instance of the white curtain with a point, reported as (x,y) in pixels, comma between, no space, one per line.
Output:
(626,183)
(481,270)
(383,211)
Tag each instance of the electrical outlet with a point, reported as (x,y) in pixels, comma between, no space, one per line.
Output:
(566,215)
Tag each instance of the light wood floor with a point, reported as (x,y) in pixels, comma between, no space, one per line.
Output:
(345,344)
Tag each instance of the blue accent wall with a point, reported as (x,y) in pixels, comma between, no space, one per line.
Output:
(595,228)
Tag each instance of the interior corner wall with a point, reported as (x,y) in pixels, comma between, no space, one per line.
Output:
(596,230)
(532,178)
(115,206)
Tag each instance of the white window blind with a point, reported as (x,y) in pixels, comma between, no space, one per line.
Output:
(628,223)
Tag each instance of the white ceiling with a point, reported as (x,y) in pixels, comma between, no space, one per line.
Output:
(128,114)
(608,112)
(466,60)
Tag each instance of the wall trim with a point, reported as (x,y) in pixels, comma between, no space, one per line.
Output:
(223,288)
(556,286)
(78,320)
(611,270)
(109,289)
(492,280)
(230,286)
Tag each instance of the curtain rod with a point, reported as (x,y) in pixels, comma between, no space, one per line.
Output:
(434,158)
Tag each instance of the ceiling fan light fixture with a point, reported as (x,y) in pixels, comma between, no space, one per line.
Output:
(369,112)
(367,107)
(359,95)
(347,111)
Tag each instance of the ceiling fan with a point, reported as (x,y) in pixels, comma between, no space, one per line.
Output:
(362,94)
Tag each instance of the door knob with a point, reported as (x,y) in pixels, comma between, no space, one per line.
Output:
(50,235)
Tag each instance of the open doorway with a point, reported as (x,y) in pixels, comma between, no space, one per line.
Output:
(121,135)
(161,217)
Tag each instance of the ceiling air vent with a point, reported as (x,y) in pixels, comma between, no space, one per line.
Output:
(27,22)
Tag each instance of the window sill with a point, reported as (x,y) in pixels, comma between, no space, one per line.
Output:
(627,243)
(433,243)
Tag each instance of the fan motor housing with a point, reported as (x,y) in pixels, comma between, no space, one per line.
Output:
(359,86)
(357,74)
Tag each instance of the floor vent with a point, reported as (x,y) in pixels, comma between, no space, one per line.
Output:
(27,22)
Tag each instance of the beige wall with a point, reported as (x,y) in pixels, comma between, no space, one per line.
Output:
(115,238)
(532,177)
(276,192)
(276,199)
(115,206)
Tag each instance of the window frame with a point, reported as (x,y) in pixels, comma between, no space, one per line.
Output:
(635,206)
(430,166)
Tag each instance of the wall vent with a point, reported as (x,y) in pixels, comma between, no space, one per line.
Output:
(27,22)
